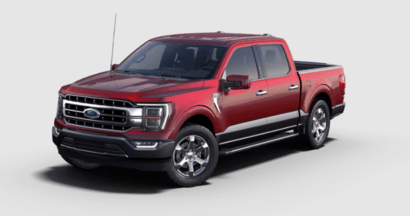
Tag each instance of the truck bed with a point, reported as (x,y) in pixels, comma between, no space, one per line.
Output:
(315,77)
(307,67)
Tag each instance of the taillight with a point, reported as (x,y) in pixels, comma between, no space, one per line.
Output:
(342,83)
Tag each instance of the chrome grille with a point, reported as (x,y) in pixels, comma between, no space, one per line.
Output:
(99,101)
(114,115)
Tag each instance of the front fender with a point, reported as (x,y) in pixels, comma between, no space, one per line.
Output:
(193,111)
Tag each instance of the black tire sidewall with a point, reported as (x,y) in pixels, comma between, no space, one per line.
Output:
(319,104)
(213,157)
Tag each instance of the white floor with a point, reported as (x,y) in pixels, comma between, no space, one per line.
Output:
(357,172)
(363,169)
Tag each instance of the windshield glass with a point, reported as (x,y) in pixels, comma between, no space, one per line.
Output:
(174,60)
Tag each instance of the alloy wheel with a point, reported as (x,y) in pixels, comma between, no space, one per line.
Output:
(319,124)
(191,156)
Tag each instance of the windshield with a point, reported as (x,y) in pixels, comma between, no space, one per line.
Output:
(174,60)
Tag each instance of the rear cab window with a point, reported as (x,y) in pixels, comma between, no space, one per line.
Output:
(274,60)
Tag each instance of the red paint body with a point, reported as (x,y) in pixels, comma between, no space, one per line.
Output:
(190,98)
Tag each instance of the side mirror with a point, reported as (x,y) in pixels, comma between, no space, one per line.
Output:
(114,66)
(236,82)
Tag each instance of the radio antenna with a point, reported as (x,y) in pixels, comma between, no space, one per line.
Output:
(113,37)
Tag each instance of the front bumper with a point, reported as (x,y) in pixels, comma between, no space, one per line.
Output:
(111,150)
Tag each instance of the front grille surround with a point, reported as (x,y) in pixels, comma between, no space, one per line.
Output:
(115,115)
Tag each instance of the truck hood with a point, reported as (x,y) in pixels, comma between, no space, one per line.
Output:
(138,86)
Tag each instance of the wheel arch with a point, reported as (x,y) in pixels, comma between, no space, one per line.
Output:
(322,92)
(200,115)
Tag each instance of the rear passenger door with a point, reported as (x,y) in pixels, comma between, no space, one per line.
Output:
(283,87)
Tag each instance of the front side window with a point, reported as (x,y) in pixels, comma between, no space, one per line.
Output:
(242,62)
(274,60)
(174,60)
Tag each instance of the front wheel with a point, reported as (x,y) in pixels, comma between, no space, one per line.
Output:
(317,126)
(195,156)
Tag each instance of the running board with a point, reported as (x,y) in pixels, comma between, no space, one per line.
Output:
(240,148)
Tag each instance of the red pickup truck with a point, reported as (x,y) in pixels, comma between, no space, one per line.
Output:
(178,102)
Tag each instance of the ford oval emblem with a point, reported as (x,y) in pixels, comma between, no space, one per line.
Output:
(92,113)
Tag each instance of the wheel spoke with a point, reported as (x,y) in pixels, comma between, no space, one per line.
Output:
(181,163)
(191,168)
(179,149)
(317,134)
(191,142)
(322,128)
(198,150)
(322,116)
(201,148)
(200,161)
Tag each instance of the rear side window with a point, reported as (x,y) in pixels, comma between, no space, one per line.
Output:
(274,60)
(242,62)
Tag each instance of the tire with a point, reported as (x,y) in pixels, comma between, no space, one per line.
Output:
(194,157)
(82,164)
(318,126)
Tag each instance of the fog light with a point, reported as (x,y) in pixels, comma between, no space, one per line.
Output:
(145,144)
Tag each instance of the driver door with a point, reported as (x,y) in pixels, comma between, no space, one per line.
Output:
(244,111)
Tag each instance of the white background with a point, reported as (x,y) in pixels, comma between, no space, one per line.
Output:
(363,170)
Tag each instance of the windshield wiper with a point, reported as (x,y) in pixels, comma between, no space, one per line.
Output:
(172,76)
(128,71)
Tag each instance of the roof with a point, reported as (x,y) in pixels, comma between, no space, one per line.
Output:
(213,38)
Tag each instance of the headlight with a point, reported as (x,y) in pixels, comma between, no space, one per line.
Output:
(155,116)
(59,114)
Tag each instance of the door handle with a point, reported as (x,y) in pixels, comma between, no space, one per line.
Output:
(293,87)
(260,92)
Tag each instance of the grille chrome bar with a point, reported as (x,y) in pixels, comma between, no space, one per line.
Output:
(130,111)
(103,114)
(114,116)
(94,121)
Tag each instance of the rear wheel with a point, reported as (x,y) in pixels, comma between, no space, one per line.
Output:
(195,156)
(82,164)
(317,126)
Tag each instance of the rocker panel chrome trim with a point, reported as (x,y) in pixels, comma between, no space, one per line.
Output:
(255,135)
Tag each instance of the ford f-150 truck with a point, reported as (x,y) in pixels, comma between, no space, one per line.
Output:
(178,102)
